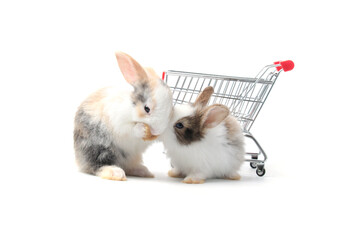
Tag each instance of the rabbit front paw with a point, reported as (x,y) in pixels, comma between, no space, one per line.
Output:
(142,130)
(139,130)
(233,176)
(175,173)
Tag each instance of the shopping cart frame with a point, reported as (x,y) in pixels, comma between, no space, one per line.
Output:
(243,96)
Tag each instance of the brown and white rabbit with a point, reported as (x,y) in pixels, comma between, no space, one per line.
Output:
(204,141)
(112,125)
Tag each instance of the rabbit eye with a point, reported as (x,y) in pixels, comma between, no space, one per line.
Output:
(147,109)
(179,125)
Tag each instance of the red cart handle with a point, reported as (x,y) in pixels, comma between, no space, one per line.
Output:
(287,65)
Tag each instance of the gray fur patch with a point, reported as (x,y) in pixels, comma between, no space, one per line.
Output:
(123,153)
(88,129)
(141,93)
(93,144)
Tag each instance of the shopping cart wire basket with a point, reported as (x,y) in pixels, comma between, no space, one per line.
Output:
(243,96)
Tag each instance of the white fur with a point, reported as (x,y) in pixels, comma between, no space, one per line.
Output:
(116,110)
(211,157)
(158,119)
(109,122)
(124,120)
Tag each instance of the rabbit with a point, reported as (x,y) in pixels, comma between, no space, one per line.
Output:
(114,127)
(204,141)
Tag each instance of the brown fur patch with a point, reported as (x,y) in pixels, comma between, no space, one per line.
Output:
(148,136)
(192,130)
(195,125)
(204,97)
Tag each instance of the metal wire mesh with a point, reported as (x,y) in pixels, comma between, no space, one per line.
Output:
(243,96)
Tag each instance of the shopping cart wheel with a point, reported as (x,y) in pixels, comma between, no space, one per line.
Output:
(253,165)
(255,157)
(260,172)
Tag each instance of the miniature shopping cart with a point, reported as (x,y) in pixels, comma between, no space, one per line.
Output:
(243,96)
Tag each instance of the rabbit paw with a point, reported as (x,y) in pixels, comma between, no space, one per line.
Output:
(193,180)
(175,173)
(112,173)
(233,176)
(142,130)
(139,130)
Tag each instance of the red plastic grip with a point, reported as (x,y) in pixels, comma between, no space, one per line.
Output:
(163,76)
(287,65)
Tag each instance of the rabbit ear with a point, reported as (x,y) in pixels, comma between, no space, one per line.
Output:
(131,69)
(151,73)
(214,115)
(204,97)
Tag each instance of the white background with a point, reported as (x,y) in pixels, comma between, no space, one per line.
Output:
(53,54)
